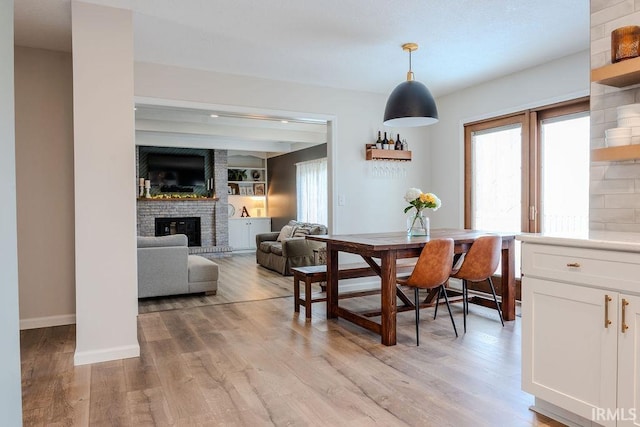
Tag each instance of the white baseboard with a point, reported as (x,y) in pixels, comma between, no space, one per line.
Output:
(45,322)
(114,353)
(561,415)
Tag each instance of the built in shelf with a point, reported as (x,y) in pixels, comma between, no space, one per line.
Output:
(621,74)
(612,154)
(377,154)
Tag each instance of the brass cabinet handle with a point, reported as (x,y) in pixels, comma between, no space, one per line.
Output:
(624,326)
(607,322)
(573,264)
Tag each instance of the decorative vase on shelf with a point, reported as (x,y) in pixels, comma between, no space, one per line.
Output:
(417,224)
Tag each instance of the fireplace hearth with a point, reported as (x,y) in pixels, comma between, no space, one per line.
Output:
(185,225)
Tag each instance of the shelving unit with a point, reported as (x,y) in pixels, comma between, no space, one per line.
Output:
(376,154)
(621,74)
(614,154)
(244,191)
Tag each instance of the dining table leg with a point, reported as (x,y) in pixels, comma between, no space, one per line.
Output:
(332,282)
(388,298)
(509,280)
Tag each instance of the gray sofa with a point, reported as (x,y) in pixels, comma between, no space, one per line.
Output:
(166,268)
(293,251)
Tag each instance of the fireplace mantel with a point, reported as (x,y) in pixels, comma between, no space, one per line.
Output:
(178,199)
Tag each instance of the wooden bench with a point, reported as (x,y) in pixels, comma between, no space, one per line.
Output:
(318,273)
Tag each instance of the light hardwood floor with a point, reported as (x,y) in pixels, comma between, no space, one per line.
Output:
(256,363)
(240,279)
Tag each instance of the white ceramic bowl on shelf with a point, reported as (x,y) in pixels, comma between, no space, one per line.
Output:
(629,110)
(618,132)
(631,121)
(617,141)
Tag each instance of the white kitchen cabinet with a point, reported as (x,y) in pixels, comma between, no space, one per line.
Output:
(629,361)
(242,232)
(577,360)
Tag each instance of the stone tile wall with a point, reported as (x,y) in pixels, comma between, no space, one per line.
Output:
(614,186)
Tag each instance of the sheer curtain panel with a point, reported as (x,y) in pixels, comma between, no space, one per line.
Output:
(311,185)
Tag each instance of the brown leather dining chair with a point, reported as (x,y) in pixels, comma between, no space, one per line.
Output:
(432,270)
(479,264)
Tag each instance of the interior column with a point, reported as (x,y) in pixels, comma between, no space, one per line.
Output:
(105,184)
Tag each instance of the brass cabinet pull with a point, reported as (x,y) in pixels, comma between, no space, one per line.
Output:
(607,322)
(624,326)
(573,264)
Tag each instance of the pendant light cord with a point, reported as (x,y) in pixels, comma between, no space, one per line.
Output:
(410,76)
(410,61)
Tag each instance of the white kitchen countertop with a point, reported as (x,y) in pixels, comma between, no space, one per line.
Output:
(609,240)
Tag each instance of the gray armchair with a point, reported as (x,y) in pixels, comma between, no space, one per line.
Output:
(295,251)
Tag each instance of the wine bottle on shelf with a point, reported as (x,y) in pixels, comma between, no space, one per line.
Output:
(392,143)
(398,143)
(405,145)
(385,142)
(379,142)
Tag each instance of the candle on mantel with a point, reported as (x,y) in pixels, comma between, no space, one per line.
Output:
(147,183)
(141,182)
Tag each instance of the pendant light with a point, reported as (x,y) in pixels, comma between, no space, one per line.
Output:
(410,104)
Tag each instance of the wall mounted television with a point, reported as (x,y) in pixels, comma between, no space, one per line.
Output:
(170,171)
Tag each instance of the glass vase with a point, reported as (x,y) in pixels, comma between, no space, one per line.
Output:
(417,224)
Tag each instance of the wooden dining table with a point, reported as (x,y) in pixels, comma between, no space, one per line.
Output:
(388,247)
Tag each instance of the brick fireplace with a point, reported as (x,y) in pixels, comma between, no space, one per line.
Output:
(214,228)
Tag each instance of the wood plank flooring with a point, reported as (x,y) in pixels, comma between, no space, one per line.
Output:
(257,364)
(240,279)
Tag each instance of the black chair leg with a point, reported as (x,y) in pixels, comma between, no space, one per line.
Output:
(435,313)
(465,304)
(493,291)
(417,318)
(466,296)
(446,299)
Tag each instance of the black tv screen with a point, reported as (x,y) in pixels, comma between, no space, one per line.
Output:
(167,170)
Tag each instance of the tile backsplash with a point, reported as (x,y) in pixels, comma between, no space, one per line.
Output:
(614,186)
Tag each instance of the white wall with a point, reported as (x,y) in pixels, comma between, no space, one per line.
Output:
(10,391)
(105,206)
(44,166)
(556,81)
(370,204)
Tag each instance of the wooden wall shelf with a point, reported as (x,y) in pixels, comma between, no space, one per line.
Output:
(376,154)
(612,154)
(620,74)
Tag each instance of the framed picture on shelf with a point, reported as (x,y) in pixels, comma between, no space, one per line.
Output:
(256,175)
(258,189)
(233,187)
(243,191)
(249,191)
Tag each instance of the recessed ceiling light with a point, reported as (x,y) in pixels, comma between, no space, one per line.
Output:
(284,121)
(213,115)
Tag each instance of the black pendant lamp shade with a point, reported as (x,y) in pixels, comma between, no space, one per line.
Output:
(410,104)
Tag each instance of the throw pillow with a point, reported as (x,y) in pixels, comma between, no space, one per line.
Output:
(301,232)
(286,232)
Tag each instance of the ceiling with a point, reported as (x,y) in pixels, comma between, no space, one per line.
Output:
(195,127)
(353,44)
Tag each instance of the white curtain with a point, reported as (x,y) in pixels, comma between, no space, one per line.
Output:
(311,185)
